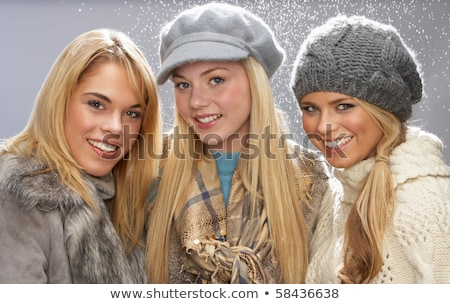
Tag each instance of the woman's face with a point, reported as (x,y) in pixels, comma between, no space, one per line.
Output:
(340,128)
(103,119)
(214,98)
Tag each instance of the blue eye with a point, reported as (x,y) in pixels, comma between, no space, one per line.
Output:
(182,85)
(216,80)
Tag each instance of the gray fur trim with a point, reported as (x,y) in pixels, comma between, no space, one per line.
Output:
(95,251)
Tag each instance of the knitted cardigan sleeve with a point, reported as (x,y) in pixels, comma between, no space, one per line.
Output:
(421,224)
(422,216)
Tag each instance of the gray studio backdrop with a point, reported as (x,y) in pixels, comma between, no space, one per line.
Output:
(33,33)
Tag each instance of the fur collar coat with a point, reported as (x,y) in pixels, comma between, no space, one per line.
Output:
(48,234)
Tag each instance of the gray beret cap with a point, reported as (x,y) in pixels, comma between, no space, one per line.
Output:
(217,31)
(362,58)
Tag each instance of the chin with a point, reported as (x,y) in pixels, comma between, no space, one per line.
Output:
(340,163)
(99,172)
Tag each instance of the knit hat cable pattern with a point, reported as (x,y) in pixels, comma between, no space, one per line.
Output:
(362,58)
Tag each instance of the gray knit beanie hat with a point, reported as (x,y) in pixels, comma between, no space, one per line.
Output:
(220,32)
(362,58)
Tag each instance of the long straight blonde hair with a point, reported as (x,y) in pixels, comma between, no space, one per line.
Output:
(43,137)
(264,178)
(372,211)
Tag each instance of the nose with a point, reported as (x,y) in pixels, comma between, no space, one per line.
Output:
(327,125)
(113,123)
(199,98)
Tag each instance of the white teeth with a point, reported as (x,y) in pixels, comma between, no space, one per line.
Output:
(337,143)
(208,119)
(103,146)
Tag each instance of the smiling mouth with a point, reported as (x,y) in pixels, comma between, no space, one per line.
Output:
(338,143)
(103,146)
(208,118)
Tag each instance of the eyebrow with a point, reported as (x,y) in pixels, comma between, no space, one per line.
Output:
(332,102)
(202,73)
(107,99)
(100,96)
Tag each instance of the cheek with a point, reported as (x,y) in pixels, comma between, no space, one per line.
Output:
(240,94)
(308,124)
(78,119)
(75,125)
(181,106)
(181,101)
(183,111)
(374,135)
(365,126)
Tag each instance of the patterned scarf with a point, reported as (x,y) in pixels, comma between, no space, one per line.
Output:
(222,246)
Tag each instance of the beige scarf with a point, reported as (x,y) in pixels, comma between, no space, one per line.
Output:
(220,245)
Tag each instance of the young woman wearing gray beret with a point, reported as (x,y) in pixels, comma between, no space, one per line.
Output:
(235,201)
(356,82)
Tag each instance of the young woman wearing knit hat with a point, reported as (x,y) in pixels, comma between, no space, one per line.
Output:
(233,194)
(356,82)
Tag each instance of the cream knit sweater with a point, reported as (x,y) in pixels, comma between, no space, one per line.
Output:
(417,241)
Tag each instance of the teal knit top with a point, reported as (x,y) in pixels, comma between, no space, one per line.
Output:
(226,164)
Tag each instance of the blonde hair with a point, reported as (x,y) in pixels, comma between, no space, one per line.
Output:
(44,139)
(280,196)
(366,223)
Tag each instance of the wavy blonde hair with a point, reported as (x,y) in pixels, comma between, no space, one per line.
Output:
(43,137)
(366,223)
(277,190)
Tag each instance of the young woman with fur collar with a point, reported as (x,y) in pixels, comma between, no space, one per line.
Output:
(78,159)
